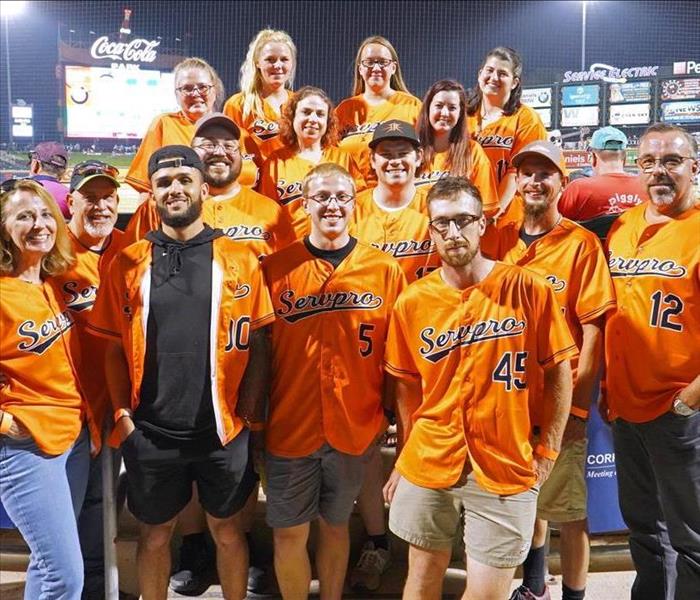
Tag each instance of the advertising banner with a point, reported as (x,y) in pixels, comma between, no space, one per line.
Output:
(545,115)
(637,91)
(630,114)
(580,116)
(537,97)
(681,112)
(580,95)
(680,89)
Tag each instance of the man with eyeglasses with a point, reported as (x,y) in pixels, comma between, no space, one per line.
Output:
(391,216)
(332,297)
(185,311)
(571,259)
(92,202)
(600,199)
(653,368)
(466,348)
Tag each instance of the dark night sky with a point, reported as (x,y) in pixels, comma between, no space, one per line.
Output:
(434,39)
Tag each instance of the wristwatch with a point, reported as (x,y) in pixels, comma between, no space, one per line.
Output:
(681,408)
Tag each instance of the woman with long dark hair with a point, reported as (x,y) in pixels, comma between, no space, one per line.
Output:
(501,123)
(447,146)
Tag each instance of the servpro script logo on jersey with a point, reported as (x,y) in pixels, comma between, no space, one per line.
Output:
(38,337)
(77,298)
(265,130)
(246,233)
(364,129)
(406,248)
(645,267)
(294,309)
(495,141)
(437,346)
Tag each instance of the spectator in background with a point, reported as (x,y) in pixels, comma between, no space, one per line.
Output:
(610,191)
(47,165)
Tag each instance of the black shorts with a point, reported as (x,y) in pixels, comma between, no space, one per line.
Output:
(160,477)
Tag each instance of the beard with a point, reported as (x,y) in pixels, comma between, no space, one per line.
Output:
(178,221)
(98,231)
(458,259)
(219,180)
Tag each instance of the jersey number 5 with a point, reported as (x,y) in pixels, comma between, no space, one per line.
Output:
(365,339)
(510,370)
(663,308)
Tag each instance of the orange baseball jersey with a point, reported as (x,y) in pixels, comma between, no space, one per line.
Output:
(502,139)
(482,175)
(282,176)
(176,128)
(327,345)
(649,349)
(402,233)
(476,352)
(572,260)
(260,132)
(247,217)
(240,305)
(252,219)
(357,121)
(78,288)
(42,392)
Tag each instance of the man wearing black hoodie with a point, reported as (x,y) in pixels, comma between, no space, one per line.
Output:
(186,310)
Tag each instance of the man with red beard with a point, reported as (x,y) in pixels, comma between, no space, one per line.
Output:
(571,259)
(466,374)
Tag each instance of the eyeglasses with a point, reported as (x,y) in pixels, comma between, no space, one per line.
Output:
(325,199)
(95,167)
(670,163)
(370,63)
(229,147)
(442,226)
(10,184)
(190,90)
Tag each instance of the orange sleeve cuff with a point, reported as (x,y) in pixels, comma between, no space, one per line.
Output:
(581,413)
(545,452)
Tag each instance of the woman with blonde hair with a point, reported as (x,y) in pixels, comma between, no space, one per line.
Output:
(197,89)
(379,94)
(308,130)
(267,77)
(501,123)
(44,446)
(447,146)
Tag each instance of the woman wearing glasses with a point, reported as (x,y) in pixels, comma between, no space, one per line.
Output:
(44,446)
(267,76)
(501,124)
(308,131)
(197,89)
(447,146)
(379,94)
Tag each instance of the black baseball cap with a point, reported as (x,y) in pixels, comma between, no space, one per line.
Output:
(92,169)
(216,120)
(174,156)
(394,130)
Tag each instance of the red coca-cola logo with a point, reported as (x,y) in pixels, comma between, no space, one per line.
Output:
(137,51)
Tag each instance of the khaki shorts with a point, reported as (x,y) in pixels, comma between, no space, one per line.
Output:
(563,496)
(497,529)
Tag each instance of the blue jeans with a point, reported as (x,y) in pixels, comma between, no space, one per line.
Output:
(658,478)
(43,494)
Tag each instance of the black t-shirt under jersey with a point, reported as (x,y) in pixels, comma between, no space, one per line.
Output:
(335,257)
(176,402)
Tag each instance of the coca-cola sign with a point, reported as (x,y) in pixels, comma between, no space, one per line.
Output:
(135,51)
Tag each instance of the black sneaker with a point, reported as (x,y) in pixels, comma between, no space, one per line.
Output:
(258,579)
(196,569)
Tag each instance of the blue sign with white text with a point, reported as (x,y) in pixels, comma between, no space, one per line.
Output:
(580,95)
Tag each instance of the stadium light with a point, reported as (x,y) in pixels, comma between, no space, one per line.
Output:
(9,9)
(12,8)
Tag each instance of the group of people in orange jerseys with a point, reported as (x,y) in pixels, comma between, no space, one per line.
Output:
(300,275)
